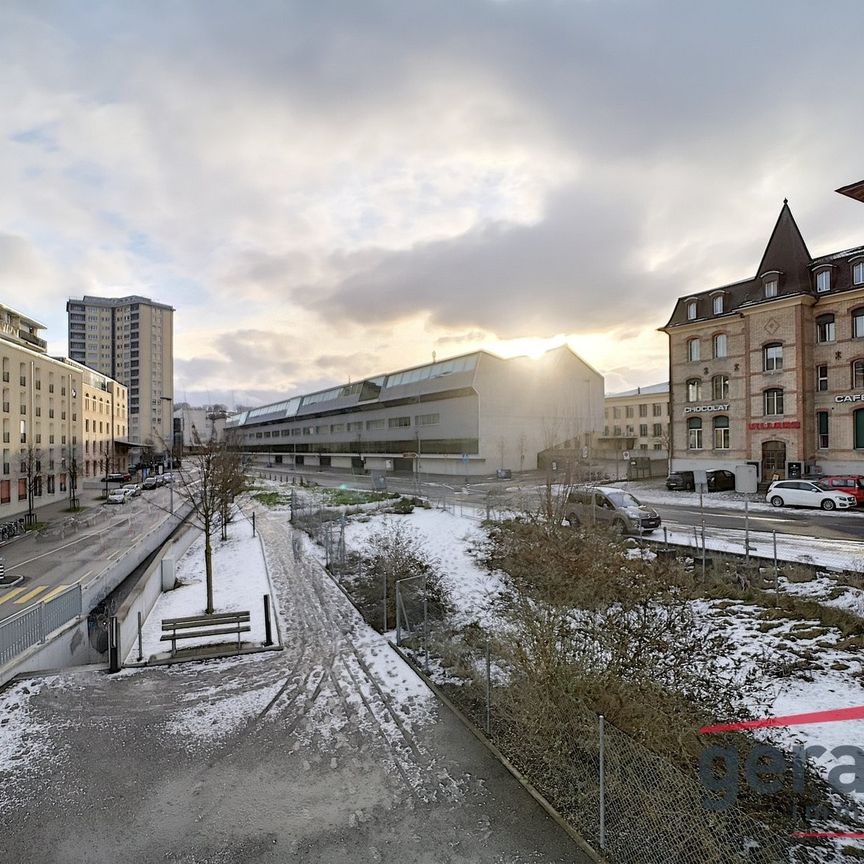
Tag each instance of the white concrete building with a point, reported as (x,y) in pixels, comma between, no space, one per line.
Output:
(468,415)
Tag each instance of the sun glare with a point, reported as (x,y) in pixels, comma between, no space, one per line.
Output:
(527,346)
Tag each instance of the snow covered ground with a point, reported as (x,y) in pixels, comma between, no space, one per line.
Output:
(239,585)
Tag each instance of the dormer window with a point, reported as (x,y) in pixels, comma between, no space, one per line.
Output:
(823,281)
(691,310)
(858,273)
(717,304)
(769,288)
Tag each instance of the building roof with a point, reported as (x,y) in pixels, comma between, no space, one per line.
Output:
(650,390)
(853,190)
(89,300)
(786,254)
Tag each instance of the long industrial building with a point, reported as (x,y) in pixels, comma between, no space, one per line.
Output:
(468,415)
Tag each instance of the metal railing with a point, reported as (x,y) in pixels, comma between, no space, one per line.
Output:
(33,625)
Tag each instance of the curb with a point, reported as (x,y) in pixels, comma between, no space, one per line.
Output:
(520,778)
(202,658)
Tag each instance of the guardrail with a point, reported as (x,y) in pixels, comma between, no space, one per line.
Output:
(33,625)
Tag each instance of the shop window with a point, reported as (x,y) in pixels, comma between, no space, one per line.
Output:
(694,433)
(822,429)
(858,420)
(721,433)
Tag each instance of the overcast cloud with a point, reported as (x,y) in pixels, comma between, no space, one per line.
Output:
(332,189)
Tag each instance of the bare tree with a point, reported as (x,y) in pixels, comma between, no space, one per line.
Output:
(31,466)
(212,477)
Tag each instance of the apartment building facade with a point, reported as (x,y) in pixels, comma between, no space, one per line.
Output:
(58,419)
(130,339)
(770,370)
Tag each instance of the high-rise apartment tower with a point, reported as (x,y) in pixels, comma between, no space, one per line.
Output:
(132,340)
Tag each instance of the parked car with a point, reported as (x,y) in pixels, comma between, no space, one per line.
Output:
(610,506)
(719,480)
(680,481)
(118,496)
(117,477)
(807,493)
(504,474)
(851,484)
(167,478)
(150,483)
(131,489)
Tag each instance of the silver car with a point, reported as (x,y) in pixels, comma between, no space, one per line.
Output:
(610,506)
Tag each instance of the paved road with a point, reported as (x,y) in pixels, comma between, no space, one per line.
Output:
(811,523)
(329,752)
(52,561)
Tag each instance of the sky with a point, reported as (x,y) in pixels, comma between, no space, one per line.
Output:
(333,189)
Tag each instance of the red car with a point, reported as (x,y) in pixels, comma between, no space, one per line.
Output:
(851,484)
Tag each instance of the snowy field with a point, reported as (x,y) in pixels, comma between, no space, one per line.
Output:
(239,585)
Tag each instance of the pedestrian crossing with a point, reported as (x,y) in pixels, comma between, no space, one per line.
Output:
(21,595)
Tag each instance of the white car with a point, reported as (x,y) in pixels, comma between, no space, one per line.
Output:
(118,496)
(807,493)
(131,489)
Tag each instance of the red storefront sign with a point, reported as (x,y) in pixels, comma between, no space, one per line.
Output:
(779,424)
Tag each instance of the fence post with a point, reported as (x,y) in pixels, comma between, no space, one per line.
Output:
(140,642)
(425,629)
(385,600)
(398,613)
(747,532)
(602,782)
(268,636)
(253,523)
(488,690)
(776,573)
(665,540)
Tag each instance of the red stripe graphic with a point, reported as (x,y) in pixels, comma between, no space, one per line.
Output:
(831,835)
(833,716)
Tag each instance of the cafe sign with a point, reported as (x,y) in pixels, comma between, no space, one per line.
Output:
(777,424)
(856,397)
(704,409)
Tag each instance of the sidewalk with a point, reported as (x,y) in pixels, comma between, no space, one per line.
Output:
(329,752)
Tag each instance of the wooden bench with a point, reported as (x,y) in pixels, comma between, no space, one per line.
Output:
(219,624)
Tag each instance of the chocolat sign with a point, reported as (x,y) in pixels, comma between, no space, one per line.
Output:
(702,409)
(852,397)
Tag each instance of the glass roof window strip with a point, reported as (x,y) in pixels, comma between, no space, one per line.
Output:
(435,370)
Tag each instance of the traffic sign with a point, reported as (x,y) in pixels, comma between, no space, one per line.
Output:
(625,454)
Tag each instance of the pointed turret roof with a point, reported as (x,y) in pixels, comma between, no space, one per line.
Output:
(787,252)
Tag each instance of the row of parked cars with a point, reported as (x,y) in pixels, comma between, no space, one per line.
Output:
(122,494)
(829,493)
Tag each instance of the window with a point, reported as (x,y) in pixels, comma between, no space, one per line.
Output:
(692,349)
(772,357)
(721,433)
(374,424)
(616,412)
(858,323)
(769,288)
(396,422)
(427,419)
(643,410)
(822,429)
(657,409)
(643,430)
(858,273)
(717,304)
(720,387)
(825,331)
(691,310)
(823,281)
(658,430)
(616,431)
(774,401)
(858,419)
(630,430)
(858,375)
(719,344)
(628,411)
(694,390)
(822,378)
(694,433)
